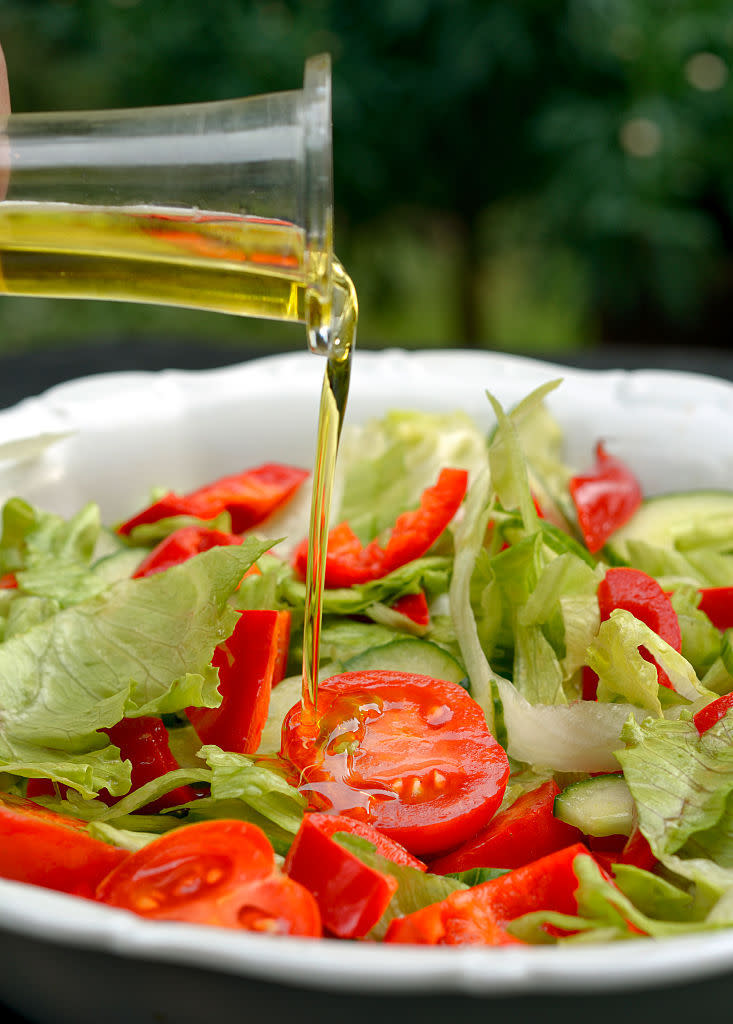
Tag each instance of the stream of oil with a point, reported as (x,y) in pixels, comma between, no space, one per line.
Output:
(244,266)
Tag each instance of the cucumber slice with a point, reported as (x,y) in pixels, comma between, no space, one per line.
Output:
(120,565)
(410,654)
(602,806)
(698,519)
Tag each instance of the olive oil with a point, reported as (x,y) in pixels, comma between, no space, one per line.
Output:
(245,266)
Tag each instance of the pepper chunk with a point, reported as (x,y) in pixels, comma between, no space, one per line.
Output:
(480,915)
(525,831)
(348,562)
(249,497)
(351,895)
(250,663)
(641,595)
(605,498)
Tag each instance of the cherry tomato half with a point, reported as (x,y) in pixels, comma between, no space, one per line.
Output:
(406,753)
(214,872)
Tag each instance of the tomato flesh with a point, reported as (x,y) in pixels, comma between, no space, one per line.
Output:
(48,849)
(216,873)
(406,753)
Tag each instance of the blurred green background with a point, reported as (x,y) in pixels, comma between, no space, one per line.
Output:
(525,175)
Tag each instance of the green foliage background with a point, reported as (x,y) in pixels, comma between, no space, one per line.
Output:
(534,175)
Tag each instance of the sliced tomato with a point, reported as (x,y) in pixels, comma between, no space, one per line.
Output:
(8,581)
(708,716)
(479,915)
(48,849)
(351,895)
(214,872)
(250,497)
(406,753)
(640,594)
(525,831)
(348,562)
(250,663)
(605,498)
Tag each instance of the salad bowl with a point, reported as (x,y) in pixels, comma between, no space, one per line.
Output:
(111,438)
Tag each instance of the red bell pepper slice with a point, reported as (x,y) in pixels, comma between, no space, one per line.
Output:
(250,663)
(525,831)
(717,603)
(144,742)
(480,915)
(641,595)
(8,581)
(415,607)
(44,848)
(348,562)
(708,716)
(351,896)
(181,545)
(633,849)
(605,498)
(249,497)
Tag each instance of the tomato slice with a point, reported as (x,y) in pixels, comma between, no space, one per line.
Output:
(50,850)
(348,562)
(250,663)
(406,753)
(525,831)
(249,497)
(605,498)
(214,872)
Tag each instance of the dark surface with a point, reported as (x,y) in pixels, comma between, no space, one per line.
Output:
(32,962)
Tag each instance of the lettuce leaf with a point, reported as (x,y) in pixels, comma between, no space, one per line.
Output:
(141,647)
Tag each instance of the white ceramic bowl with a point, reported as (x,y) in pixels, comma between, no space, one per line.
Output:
(129,432)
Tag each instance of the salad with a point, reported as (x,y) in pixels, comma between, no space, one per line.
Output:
(524,730)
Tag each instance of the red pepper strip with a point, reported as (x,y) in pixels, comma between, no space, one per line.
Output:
(47,849)
(414,532)
(525,831)
(249,497)
(415,607)
(707,717)
(181,545)
(8,581)
(144,742)
(634,850)
(479,915)
(717,603)
(351,896)
(641,595)
(250,663)
(605,498)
